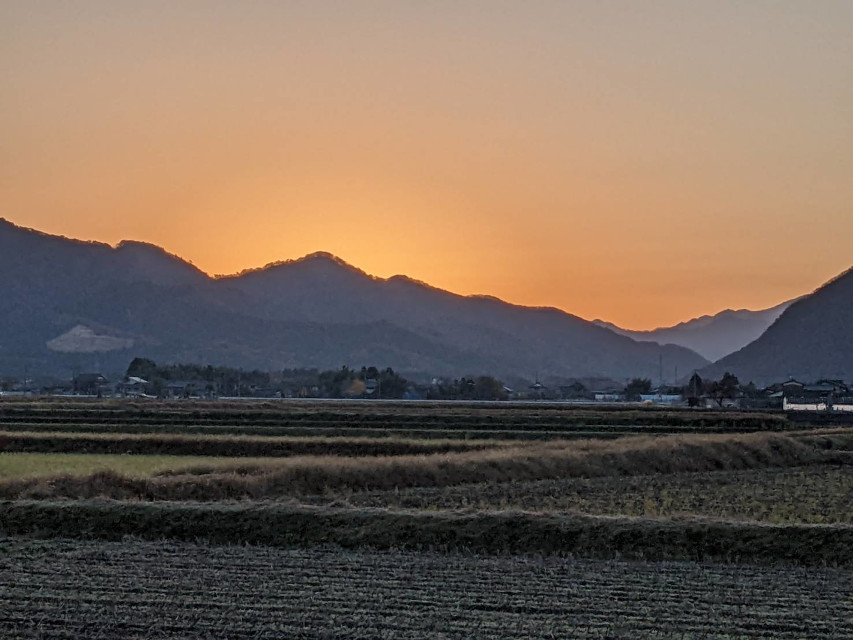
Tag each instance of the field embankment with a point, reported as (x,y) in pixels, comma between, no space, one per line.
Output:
(489,533)
(308,475)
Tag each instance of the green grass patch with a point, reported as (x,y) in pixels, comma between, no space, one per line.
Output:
(15,466)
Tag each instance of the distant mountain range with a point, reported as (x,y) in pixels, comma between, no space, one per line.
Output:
(68,305)
(812,339)
(711,336)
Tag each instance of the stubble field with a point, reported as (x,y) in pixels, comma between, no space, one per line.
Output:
(136,589)
(819,494)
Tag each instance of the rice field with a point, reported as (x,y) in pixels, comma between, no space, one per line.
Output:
(434,420)
(368,517)
(135,589)
(820,494)
(229,445)
(298,476)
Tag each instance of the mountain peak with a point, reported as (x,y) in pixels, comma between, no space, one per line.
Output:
(152,263)
(138,244)
(319,261)
(146,248)
(322,255)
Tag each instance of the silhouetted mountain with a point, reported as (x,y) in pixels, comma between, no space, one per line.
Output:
(513,339)
(812,339)
(712,337)
(68,304)
(149,263)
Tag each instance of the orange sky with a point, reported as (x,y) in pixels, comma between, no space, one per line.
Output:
(639,162)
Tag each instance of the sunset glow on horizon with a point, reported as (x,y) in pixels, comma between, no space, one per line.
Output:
(643,163)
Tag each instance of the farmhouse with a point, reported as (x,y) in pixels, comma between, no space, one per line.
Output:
(132,386)
(824,395)
(609,396)
(670,399)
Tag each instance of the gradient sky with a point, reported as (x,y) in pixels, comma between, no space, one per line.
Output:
(641,162)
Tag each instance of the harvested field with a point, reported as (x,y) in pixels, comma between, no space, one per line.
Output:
(89,590)
(539,420)
(336,431)
(233,446)
(507,481)
(802,495)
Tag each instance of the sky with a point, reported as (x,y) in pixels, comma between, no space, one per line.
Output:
(639,162)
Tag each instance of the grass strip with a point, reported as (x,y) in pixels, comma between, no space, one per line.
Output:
(28,466)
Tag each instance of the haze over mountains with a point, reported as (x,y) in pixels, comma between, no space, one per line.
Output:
(69,305)
(812,339)
(711,336)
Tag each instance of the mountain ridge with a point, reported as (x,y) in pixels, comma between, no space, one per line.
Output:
(812,339)
(713,336)
(316,311)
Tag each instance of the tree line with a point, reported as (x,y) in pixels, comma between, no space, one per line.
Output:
(346,382)
(726,388)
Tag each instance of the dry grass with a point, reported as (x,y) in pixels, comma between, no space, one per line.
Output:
(819,494)
(834,439)
(328,474)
